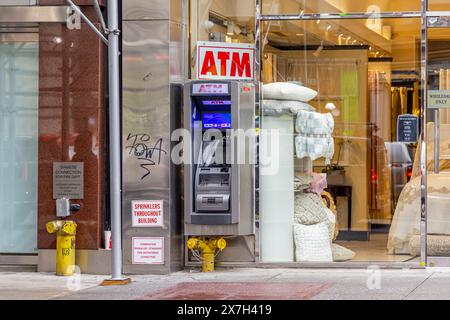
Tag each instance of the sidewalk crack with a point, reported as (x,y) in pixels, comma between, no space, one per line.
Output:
(275,276)
(419,285)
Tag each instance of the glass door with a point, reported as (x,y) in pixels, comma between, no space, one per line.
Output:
(436,226)
(18,147)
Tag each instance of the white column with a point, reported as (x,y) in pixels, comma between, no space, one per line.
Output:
(277,191)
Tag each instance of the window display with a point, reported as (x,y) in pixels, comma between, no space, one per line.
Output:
(19,100)
(338,6)
(405,225)
(334,90)
(347,134)
(314,224)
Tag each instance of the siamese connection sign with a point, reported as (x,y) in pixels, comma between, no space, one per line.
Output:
(225,61)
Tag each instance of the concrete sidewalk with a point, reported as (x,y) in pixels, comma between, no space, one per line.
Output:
(238,284)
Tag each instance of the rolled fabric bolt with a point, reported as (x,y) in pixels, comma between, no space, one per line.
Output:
(447,79)
(442,79)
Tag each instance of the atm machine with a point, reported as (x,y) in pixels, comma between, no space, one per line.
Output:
(218,184)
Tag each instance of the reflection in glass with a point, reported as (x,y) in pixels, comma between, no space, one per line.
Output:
(367,80)
(18,147)
(438,178)
(340,6)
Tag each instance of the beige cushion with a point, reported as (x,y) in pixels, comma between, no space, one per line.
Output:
(328,201)
(309,209)
(302,182)
(341,254)
(437,245)
(331,222)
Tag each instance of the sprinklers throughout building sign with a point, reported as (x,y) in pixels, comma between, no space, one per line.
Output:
(147,213)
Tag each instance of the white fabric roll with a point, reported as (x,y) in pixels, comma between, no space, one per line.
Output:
(442,79)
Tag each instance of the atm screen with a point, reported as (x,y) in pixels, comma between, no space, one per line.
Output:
(216,120)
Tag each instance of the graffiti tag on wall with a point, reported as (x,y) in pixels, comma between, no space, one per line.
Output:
(148,151)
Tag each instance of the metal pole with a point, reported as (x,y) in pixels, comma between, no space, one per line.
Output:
(115,138)
(423,140)
(339,16)
(436,140)
(258,96)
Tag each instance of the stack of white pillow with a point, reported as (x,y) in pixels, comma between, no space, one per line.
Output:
(286,98)
(313,241)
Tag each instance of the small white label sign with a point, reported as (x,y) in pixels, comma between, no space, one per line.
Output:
(148,250)
(147,213)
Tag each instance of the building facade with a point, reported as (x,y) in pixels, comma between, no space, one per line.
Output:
(53,93)
(371,67)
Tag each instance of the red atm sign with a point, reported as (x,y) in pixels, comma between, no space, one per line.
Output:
(225,61)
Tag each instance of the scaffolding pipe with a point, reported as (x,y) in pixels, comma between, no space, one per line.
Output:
(100,15)
(115,159)
(88,22)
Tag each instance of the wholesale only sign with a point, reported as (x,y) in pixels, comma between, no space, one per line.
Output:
(225,61)
(438,99)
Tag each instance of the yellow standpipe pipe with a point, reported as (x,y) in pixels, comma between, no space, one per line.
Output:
(65,245)
(207,248)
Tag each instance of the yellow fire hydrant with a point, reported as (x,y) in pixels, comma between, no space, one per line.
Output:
(65,245)
(207,248)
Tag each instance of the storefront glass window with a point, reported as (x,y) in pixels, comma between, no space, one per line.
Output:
(438,176)
(345,101)
(347,184)
(339,6)
(438,5)
(18,147)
